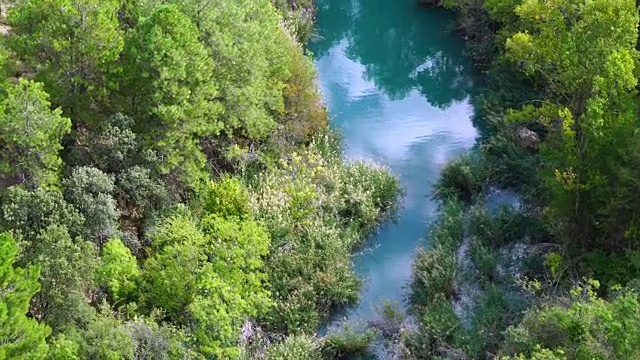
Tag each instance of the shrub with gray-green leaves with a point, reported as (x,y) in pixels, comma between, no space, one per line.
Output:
(91,192)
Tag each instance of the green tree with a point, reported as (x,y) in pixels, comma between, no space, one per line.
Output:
(236,276)
(583,54)
(68,268)
(22,337)
(73,45)
(4,56)
(170,274)
(171,87)
(62,348)
(570,45)
(105,338)
(118,269)
(115,150)
(91,192)
(226,198)
(142,192)
(251,64)
(30,135)
(209,277)
(28,213)
(112,147)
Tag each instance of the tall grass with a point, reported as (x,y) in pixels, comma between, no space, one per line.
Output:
(348,344)
(317,207)
(434,270)
(462,179)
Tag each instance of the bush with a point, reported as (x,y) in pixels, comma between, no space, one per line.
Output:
(118,270)
(491,316)
(299,15)
(511,166)
(582,327)
(390,321)
(503,227)
(226,197)
(613,270)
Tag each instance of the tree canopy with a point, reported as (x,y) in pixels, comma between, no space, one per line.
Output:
(134,137)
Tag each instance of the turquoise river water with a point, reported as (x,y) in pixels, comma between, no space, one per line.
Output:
(398,87)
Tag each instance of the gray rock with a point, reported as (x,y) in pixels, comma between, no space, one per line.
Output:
(528,138)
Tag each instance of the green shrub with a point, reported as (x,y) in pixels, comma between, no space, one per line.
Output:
(613,270)
(539,354)
(305,115)
(118,270)
(390,322)
(584,327)
(511,166)
(299,15)
(500,228)
(226,197)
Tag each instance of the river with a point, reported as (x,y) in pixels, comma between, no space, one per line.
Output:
(398,87)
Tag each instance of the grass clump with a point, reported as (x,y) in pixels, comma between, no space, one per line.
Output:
(510,165)
(434,273)
(438,329)
(295,347)
(348,344)
(462,179)
(434,270)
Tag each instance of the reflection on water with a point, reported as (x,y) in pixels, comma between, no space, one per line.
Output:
(397,86)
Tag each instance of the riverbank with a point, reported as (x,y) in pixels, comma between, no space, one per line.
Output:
(518,282)
(299,16)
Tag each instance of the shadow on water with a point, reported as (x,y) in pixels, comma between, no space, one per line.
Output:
(399,87)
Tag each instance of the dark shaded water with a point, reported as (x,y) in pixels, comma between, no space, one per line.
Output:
(398,87)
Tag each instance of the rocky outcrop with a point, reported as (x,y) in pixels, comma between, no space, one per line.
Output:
(527,138)
(4,28)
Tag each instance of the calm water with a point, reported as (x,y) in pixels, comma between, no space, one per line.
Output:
(398,87)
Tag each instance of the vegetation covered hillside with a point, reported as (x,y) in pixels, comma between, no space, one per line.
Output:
(168,187)
(557,276)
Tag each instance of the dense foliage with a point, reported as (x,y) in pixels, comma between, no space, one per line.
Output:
(560,102)
(168,187)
